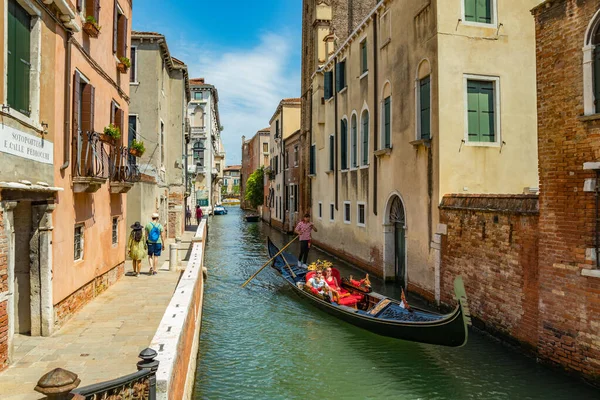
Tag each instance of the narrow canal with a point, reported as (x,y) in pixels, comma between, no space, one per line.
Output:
(261,342)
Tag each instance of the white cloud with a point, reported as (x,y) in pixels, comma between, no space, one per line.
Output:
(250,81)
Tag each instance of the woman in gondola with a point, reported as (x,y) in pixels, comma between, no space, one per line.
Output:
(334,285)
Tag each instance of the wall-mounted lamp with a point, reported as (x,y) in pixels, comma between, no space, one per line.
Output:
(44,128)
(5,108)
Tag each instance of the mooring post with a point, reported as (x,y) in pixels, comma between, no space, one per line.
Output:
(57,384)
(173,256)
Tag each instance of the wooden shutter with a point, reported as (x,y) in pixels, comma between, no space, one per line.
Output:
(87,109)
(344,144)
(12,54)
(386,123)
(79,4)
(133,57)
(470,10)
(331,152)
(364,56)
(342,75)
(365,139)
(338,83)
(484,11)
(327,84)
(119,119)
(115,27)
(486,111)
(19,57)
(354,142)
(122,37)
(425,100)
(97,10)
(76,94)
(313,168)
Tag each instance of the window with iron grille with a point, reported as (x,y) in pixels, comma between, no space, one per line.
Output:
(78,241)
(115,230)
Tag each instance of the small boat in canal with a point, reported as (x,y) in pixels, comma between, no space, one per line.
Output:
(377,313)
(252,218)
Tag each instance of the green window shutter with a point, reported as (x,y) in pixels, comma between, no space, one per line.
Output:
(363,48)
(313,169)
(343,74)
(597,78)
(387,115)
(484,11)
(470,10)
(344,145)
(338,81)
(354,142)
(328,86)
(425,100)
(365,139)
(481,111)
(331,153)
(19,57)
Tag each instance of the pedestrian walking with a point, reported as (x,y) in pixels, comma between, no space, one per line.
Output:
(137,247)
(199,215)
(188,216)
(304,230)
(155,234)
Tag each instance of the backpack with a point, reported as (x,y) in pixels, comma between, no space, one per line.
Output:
(154,233)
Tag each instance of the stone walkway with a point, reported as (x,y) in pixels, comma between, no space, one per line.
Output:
(102,341)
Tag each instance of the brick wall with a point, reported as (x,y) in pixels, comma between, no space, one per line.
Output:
(492,242)
(3,335)
(570,302)
(176,217)
(64,310)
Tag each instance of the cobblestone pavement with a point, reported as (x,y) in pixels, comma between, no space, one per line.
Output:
(102,341)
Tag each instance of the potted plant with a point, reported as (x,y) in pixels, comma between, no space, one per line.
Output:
(111,134)
(137,148)
(123,64)
(91,26)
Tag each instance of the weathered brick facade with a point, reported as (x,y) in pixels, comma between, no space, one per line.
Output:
(176,218)
(3,335)
(492,242)
(569,333)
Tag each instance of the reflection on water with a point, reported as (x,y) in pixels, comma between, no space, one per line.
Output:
(262,342)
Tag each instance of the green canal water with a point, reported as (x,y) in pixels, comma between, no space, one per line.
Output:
(262,342)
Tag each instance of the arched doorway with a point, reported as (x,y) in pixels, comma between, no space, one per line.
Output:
(397,220)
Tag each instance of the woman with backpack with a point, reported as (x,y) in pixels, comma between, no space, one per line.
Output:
(136,247)
(155,235)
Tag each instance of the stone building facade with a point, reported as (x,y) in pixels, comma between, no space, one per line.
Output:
(255,154)
(160,92)
(569,164)
(62,201)
(292,178)
(412,106)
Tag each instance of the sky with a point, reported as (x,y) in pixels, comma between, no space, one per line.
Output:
(249,50)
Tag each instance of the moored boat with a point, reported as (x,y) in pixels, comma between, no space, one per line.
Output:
(252,218)
(380,314)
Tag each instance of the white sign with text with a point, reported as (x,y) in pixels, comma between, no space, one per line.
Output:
(21,144)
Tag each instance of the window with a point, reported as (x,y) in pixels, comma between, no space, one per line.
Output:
(288,196)
(91,8)
(354,143)
(331,152)
(277,134)
(265,147)
(218,166)
(387,122)
(131,135)
(479,11)
(119,32)
(344,144)
(199,153)
(19,58)
(328,85)
(425,108)
(115,231)
(296,198)
(295,156)
(287,159)
(346,212)
(385,28)
(133,70)
(331,212)
(363,57)
(360,217)
(78,240)
(198,95)
(313,168)
(162,143)
(340,76)
(320,210)
(365,137)
(83,106)
(481,111)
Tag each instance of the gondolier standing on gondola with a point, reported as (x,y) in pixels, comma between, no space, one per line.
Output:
(304,230)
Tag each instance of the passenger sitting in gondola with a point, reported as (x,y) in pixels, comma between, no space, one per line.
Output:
(317,284)
(334,285)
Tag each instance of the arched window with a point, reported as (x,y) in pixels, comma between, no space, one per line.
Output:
(344,143)
(354,142)
(423,97)
(364,134)
(386,116)
(591,67)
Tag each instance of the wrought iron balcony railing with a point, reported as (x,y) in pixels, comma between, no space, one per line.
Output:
(123,166)
(91,157)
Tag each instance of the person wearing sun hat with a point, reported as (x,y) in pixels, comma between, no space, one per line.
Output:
(155,237)
(137,247)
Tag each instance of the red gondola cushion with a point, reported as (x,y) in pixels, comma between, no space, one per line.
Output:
(310,274)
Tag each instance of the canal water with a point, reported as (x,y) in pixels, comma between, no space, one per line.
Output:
(262,342)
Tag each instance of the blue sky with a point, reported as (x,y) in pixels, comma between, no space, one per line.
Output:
(249,50)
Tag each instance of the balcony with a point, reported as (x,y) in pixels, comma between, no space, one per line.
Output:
(198,132)
(91,163)
(124,171)
(194,169)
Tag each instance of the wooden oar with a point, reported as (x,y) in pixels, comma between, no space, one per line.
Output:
(267,263)
(288,265)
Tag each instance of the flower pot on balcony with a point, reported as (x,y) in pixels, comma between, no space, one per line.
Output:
(136,152)
(122,68)
(105,138)
(91,29)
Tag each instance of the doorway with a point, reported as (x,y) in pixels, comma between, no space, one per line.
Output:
(22,259)
(397,219)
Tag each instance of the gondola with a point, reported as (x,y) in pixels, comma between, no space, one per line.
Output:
(380,314)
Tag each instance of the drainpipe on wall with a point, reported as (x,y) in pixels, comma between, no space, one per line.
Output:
(375,112)
(67,132)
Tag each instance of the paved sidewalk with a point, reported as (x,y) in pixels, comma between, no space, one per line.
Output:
(102,341)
